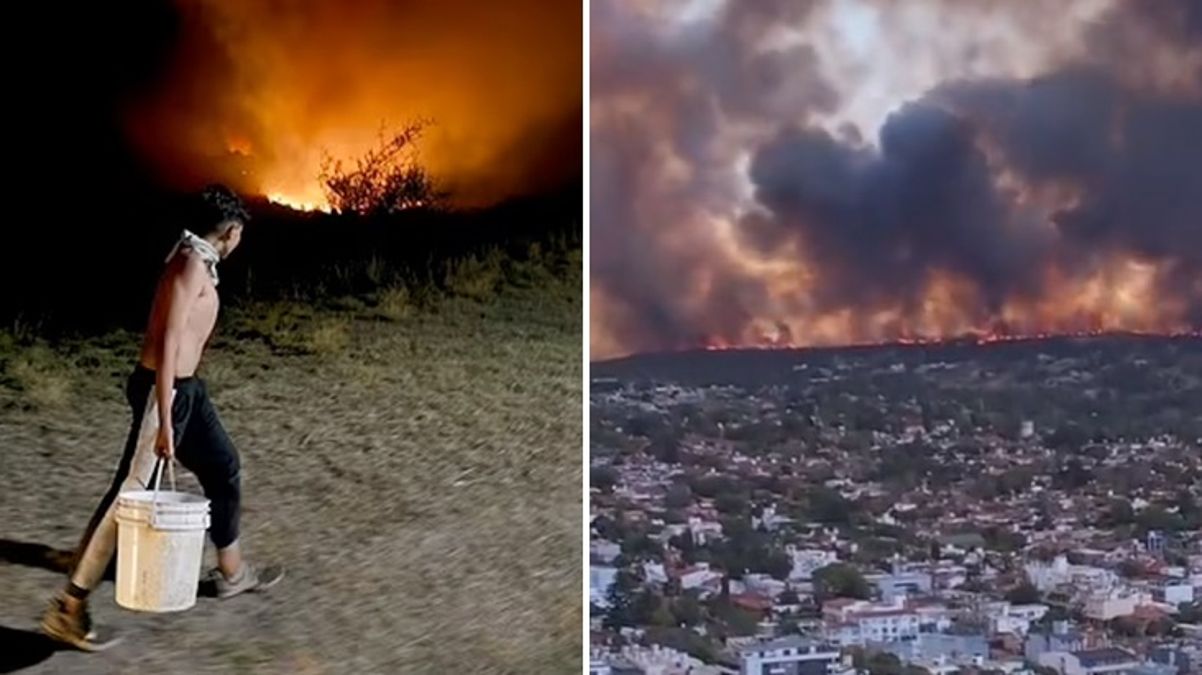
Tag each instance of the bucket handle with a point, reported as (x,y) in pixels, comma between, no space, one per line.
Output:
(158,483)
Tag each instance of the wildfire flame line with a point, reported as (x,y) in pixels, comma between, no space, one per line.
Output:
(979,339)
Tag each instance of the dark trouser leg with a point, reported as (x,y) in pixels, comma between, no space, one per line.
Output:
(206,450)
(96,547)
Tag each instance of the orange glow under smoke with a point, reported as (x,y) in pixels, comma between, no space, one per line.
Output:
(1120,299)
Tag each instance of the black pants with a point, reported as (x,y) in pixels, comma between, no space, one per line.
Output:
(201,445)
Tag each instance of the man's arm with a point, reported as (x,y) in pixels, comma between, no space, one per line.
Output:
(182,290)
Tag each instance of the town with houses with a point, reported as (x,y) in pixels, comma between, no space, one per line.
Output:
(1028,514)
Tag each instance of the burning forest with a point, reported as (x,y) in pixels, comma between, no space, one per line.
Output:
(844,172)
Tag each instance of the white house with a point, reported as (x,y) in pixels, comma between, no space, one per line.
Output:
(699,576)
(598,662)
(654,573)
(857,622)
(1106,661)
(901,582)
(807,561)
(704,531)
(763,584)
(1175,592)
(1107,605)
(769,519)
(604,551)
(792,654)
(1014,619)
(600,579)
(1047,576)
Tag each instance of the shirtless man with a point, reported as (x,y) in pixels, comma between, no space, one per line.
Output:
(172,417)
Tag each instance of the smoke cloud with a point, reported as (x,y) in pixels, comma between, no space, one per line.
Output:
(836,172)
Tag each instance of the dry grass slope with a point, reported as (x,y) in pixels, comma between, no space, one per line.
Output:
(417,468)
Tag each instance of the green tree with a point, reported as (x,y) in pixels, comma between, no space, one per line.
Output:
(662,615)
(609,528)
(828,506)
(1023,594)
(1155,517)
(840,580)
(884,663)
(622,599)
(787,625)
(604,478)
(1131,569)
(789,597)
(688,610)
(679,496)
(778,564)
(1191,614)
(1118,513)
(735,620)
(665,447)
(637,545)
(1189,509)
(731,504)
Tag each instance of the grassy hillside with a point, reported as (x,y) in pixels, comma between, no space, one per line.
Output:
(411,450)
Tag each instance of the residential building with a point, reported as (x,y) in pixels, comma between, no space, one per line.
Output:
(858,622)
(604,551)
(704,531)
(1154,669)
(659,660)
(901,583)
(1176,658)
(1174,592)
(600,579)
(1015,619)
(807,561)
(700,576)
(769,519)
(934,651)
(598,662)
(1047,576)
(655,574)
(1105,661)
(1107,605)
(792,655)
(1061,638)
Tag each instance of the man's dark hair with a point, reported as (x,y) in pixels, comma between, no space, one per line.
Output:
(214,206)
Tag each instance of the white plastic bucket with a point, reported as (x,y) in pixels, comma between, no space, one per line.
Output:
(160,548)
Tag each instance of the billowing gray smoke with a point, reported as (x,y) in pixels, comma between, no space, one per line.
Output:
(1066,199)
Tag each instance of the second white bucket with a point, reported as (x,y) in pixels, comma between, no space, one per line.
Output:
(160,548)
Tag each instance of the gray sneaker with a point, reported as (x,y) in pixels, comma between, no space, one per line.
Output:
(74,628)
(251,578)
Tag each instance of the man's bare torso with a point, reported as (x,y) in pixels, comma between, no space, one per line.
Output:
(198,325)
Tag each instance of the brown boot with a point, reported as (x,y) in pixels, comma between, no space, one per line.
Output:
(74,628)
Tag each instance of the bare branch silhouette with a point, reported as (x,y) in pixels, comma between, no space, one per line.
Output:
(387,179)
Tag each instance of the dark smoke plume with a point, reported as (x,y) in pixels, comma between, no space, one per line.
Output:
(726,212)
